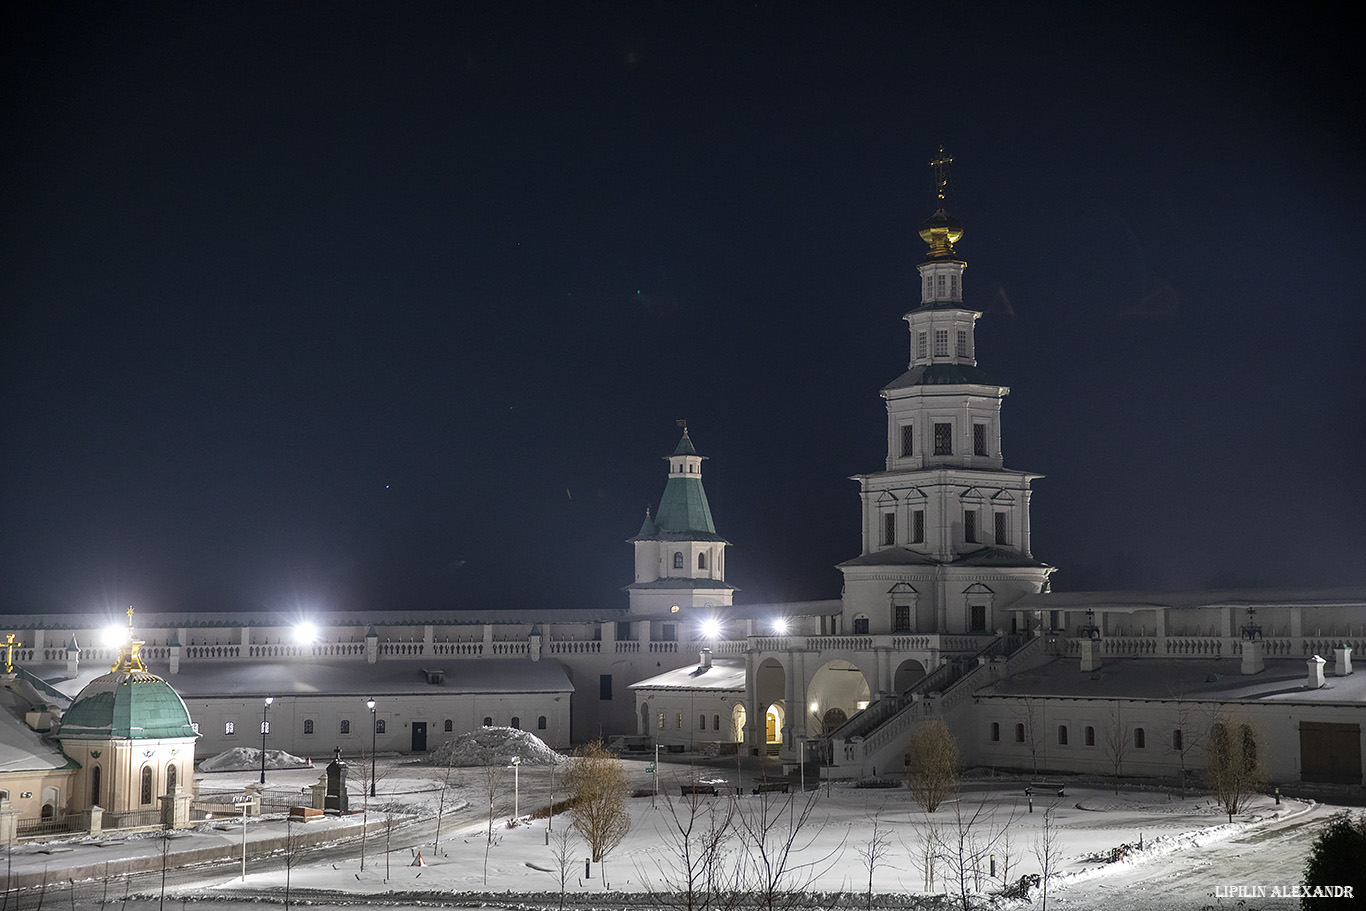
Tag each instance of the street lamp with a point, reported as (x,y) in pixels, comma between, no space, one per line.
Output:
(374,728)
(265,729)
(517,787)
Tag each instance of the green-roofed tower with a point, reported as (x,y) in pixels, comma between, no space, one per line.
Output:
(680,559)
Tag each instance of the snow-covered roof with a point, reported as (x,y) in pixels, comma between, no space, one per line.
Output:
(310,677)
(149,620)
(23,749)
(1212,680)
(724,674)
(1239,597)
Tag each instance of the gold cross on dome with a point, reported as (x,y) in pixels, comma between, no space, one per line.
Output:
(941,173)
(10,645)
(130,618)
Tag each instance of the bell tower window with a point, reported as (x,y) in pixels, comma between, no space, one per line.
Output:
(922,345)
(1002,537)
(918,526)
(962,343)
(678,559)
(943,439)
(888,528)
(907,440)
(941,343)
(979,439)
(970,526)
(702,561)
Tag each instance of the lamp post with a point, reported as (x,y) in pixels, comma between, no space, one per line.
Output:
(374,729)
(265,729)
(516,786)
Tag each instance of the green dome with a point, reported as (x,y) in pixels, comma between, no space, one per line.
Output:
(126,705)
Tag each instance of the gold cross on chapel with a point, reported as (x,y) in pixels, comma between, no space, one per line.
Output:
(10,646)
(941,174)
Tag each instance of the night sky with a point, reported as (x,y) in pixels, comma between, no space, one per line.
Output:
(368,305)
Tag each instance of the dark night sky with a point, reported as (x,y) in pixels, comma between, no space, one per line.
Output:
(373,305)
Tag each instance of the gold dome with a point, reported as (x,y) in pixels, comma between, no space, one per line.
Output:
(941,231)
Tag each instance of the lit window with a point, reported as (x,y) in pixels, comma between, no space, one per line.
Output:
(941,343)
(661,721)
(970,526)
(943,439)
(229,728)
(346,726)
(1002,536)
(962,343)
(979,439)
(907,440)
(678,722)
(918,526)
(888,528)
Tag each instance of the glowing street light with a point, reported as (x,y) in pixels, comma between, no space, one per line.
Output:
(780,626)
(711,628)
(374,728)
(265,729)
(305,633)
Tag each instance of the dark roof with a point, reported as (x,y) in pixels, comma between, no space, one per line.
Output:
(708,584)
(892,556)
(941,375)
(986,556)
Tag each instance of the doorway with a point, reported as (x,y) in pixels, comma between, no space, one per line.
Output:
(419,736)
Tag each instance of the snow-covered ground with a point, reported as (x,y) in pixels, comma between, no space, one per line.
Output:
(1191,856)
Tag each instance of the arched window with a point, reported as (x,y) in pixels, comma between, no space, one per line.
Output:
(448,726)
(995,732)
(488,722)
(346,726)
(146,785)
(678,559)
(1178,742)
(1090,736)
(716,722)
(379,725)
(94,786)
(701,722)
(308,725)
(1062,735)
(1140,739)
(170,778)
(678,722)
(1019,733)
(229,728)
(516,723)
(540,723)
(702,561)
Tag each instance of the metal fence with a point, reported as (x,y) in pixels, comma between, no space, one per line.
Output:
(51,825)
(133,819)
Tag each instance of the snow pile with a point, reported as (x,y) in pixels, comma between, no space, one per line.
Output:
(243,759)
(494,746)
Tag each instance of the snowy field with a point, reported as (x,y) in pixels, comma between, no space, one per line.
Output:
(1191,856)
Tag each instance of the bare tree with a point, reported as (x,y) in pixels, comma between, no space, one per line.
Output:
(697,831)
(564,855)
(1048,853)
(875,851)
(1234,769)
(597,785)
(1115,743)
(773,832)
(491,776)
(441,804)
(932,764)
(1031,715)
(371,774)
(966,842)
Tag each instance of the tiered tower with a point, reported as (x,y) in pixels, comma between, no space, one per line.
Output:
(680,559)
(945,525)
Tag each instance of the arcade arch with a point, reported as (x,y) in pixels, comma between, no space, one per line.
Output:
(837,690)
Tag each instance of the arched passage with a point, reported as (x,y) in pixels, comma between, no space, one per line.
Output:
(907,673)
(837,688)
(775,717)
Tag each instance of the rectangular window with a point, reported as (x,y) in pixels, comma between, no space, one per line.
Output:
(941,343)
(888,528)
(701,722)
(265,727)
(943,439)
(308,725)
(978,618)
(346,726)
(979,439)
(907,440)
(860,626)
(1001,536)
(901,622)
(940,282)
(668,632)
(962,343)
(605,687)
(678,722)
(661,721)
(953,287)
(970,526)
(623,630)
(922,345)
(918,526)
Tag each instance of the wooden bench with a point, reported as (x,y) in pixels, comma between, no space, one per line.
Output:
(771,787)
(689,790)
(1055,786)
